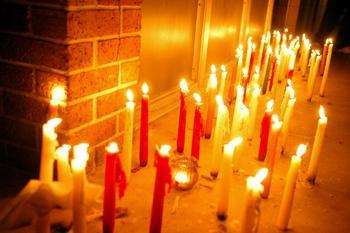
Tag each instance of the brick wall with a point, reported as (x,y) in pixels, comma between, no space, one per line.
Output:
(91,47)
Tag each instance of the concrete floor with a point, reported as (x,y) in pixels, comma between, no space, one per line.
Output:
(322,208)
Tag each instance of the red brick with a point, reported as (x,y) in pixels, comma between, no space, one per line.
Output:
(109,103)
(18,132)
(131,2)
(131,20)
(14,17)
(121,122)
(81,2)
(108,51)
(92,134)
(129,47)
(80,55)
(49,23)
(46,80)
(91,82)
(17,77)
(130,71)
(56,2)
(93,23)
(23,158)
(108,2)
(25,107)
(76,115)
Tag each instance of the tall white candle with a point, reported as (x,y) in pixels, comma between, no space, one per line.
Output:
(128,134)
(63,170)
(48,147)
(286,98)
(253,107)
(226,177)
(236,113)
(326,69)
(222,80)
(314,73)
(286,119)
(316,149)
(249,52)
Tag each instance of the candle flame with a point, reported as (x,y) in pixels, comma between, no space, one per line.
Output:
(235,142)
(261,175)
(164,150)
(145,88)
(182,177)
(112,148)
(213,68)
(257,69)
(289,82)
(269,105)
(78,164)
(58,95)
(291,93)
(81,152)
(63,151)
(53,123)
(213,81)
(245,72)
(197,98)
(219,100)
(184,86)
(223,68)
(257,89)
(275,119)
(301,150)
(129,95)
(244,109)
(321,112)
(253,47)
(269,49)
(276,123)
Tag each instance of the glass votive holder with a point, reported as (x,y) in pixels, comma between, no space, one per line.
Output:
(184,172)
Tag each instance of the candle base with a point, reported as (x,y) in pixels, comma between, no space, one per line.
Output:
(311,180)
(207,136)
(308,99)
(214,174)
(221,217)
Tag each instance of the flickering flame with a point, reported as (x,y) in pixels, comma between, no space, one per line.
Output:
(257,89)
(223,68)
(245,72)
(213,68)
(78,165)
(253,47)
(112,148)
(164,150)
(81,152)
(254,183)
(244,109)
(261,175)
(213,81)
(330,41)
(269,49)
(269,105)
(129,95)
(275,119)
(235,142)
(219,100)
(53,123)
(257,69)
(322,113)
(58,95)
(276,123)
(62,152)
(289,82)
(182,177)
(197,98)
(184,86)
(145,88)
(301,150)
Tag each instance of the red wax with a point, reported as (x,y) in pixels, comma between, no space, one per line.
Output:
(144,131)
(251,64)
(113,173)
(324,55)
(245,84)
(197,133)
(182,124)
(163,177)
(272,74)
(263,56)
(264,134)
(290,74)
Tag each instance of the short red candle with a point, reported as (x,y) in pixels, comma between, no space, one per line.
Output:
(264,131)
(182,117)
(144,126)
(163,177)
(197,127)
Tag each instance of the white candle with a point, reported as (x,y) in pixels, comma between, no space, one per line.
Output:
(289,189)
(236,113)
(286,119)
(311,65)
(286,98)
(128,134)
(313,76)
(220,129)
(226,178)
(78,169)
(239,72)
(305,58)
(316,149)
(63,170)
(326,69)
(261,48)
(48,147)
(222,80)
(249,52)
(253,107)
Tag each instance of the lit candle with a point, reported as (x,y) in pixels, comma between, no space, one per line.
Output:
(64,174)
(235,78)
(326,69)
(181,179)
(251,62)
(239,72)
(222,80)
(291,65)
(236,112)
(78,169)
(264,70)
(265,129)
(312,78)
(128,134)
(182,117)
(316,149)
(305,58)
(226,178)
(144,126)
(289,189)
(248,54)
(197,127)
(245,83)
(58,98)
(48,147)
(212,88)
(286,119)
(324,55)
(273,71)
(286,98)
(271,153)
(220,129)
(163,178)
(275,77)
(251,210)
(253,107)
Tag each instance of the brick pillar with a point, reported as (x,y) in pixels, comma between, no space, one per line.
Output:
(91,47)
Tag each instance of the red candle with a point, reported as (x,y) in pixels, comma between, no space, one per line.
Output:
(212,88)
(265,129)
(197,127)
(245,83)
(113,173)
(273,73)
(251,63)
(163,177)
(182,117)
(144,126)
(263,57)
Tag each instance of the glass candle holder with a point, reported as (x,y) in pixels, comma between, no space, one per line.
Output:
(184,172)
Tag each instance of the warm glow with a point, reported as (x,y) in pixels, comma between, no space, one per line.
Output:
(223,68)
(182,177)
(269,105)
(245,72)
(129,95)
(78,165)
(184,86)
(197,98)
(291,93)
(289,82)
(58,95)
(301,150)
(112,148)
(257,89)
(330,41)
(219,100)
(254,183)
(213,69)
(53,123)
(276,123)
(235,142)
(213,81)
(81,152)
(322,113)
(261,175)
(269,49)
(253,47)
(257,69)
(62,152)
(164,150)
(145,88)
(244,109)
